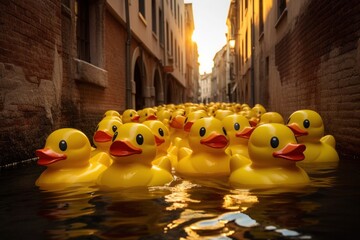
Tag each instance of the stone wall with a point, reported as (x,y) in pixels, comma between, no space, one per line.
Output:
(30,75)
(318,61)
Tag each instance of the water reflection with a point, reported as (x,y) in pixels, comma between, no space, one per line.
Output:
(185,209)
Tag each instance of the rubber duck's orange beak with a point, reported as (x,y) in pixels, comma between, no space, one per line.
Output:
(123,148)
(151,117)
(101,136)
(135,118)
(293,152)
(245,133)
(48,156)
(159,141)
(178,122)
(187,126)
(215,141)
(253,122)
(297,130)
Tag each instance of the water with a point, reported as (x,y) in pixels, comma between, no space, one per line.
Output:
(329,208)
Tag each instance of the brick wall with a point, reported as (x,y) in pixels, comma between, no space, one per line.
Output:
(29,42)
(38,91)
(319,66)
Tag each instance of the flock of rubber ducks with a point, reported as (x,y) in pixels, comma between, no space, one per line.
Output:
(250,147)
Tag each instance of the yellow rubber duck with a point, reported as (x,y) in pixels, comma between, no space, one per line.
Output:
(191,118)
(147,114)
(206,155)
(67,157)
(221,113)
(234,124)
(162,140)
(133,151)
(308,128)
(164,116)
(274,152)
(112,113)
(255,113)
(176,124)
(102,139)
(271,117)
(130,115)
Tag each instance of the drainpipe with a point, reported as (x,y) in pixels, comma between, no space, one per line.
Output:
(128,57)
(252,76)
(165,80)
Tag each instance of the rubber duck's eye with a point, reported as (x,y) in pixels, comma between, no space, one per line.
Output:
(224,131)
(115,135)
(236,126)
(170,118)
(306,123)
(202,131)
(63,145)
(145,114)
(139,139)
(130,114)
(274,142)
(186,119)
(114,128)
(161,132)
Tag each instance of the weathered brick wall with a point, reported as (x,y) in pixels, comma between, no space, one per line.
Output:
(29,44)
(319,66)
(38,92)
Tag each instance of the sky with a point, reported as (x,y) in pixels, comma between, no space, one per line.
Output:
(210,28)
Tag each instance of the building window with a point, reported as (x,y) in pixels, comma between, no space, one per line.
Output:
(89,20)
(142,7)
(172,44)
(153,16)
(82,30)
(281,11)
(246,46)
(181,25)
(161,26)
(281,7)
(178,15)
(167,37)
(175,10)
(261,17)
(176,54)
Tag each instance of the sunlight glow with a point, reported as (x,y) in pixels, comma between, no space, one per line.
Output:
(210,29)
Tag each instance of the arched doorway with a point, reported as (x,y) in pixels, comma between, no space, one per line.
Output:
(159,90)
(139,75)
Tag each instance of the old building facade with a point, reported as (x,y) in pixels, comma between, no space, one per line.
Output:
(293,55)
(205,88)
(192,64)
(64,63)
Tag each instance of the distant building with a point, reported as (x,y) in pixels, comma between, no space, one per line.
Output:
(205,88)
(221,75)
(192,64)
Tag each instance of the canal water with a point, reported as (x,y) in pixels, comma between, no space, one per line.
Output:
(329,208)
